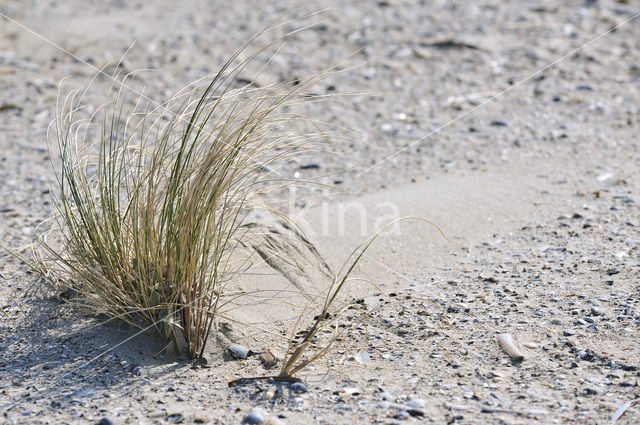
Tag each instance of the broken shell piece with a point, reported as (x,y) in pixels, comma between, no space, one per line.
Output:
(351,391)
(238,351)
(363,357)
(507,344)
(268,359)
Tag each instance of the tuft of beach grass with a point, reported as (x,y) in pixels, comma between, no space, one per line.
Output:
(151,198)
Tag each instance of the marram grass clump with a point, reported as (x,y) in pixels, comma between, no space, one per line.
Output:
(151,197)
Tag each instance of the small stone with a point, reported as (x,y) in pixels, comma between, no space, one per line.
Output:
(268,395)
(596,312)
(256,416)
(299,387)
(556,322)
(386,396)
(384,404)
(499,123)
(590,391)
(363,357)
(568,332)
(401,414)
(530,345)
(107,421)
(201,420)
(175,418)
(588,320)
(415,412)
(416,403)
(310,166)
(268,359)
(238,351)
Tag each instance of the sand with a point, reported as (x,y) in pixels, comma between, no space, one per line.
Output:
(536,190)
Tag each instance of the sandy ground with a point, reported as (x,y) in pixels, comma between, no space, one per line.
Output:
(536,190)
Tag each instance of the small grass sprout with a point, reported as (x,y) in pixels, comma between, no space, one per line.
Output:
(302,354)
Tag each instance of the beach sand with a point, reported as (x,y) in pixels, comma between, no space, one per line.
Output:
(505,124)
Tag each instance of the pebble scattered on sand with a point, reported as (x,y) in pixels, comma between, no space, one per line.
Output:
(238,351)
(256,416)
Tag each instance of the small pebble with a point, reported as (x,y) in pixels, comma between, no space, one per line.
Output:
(401,414)
(107,421)
(268,359)
(596,311)
(238,351)
(175,418)
(299,387)
(568,332)
(386,396)
(416,403)
(363,357)
(311,166)
(415,412)
(254,417)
